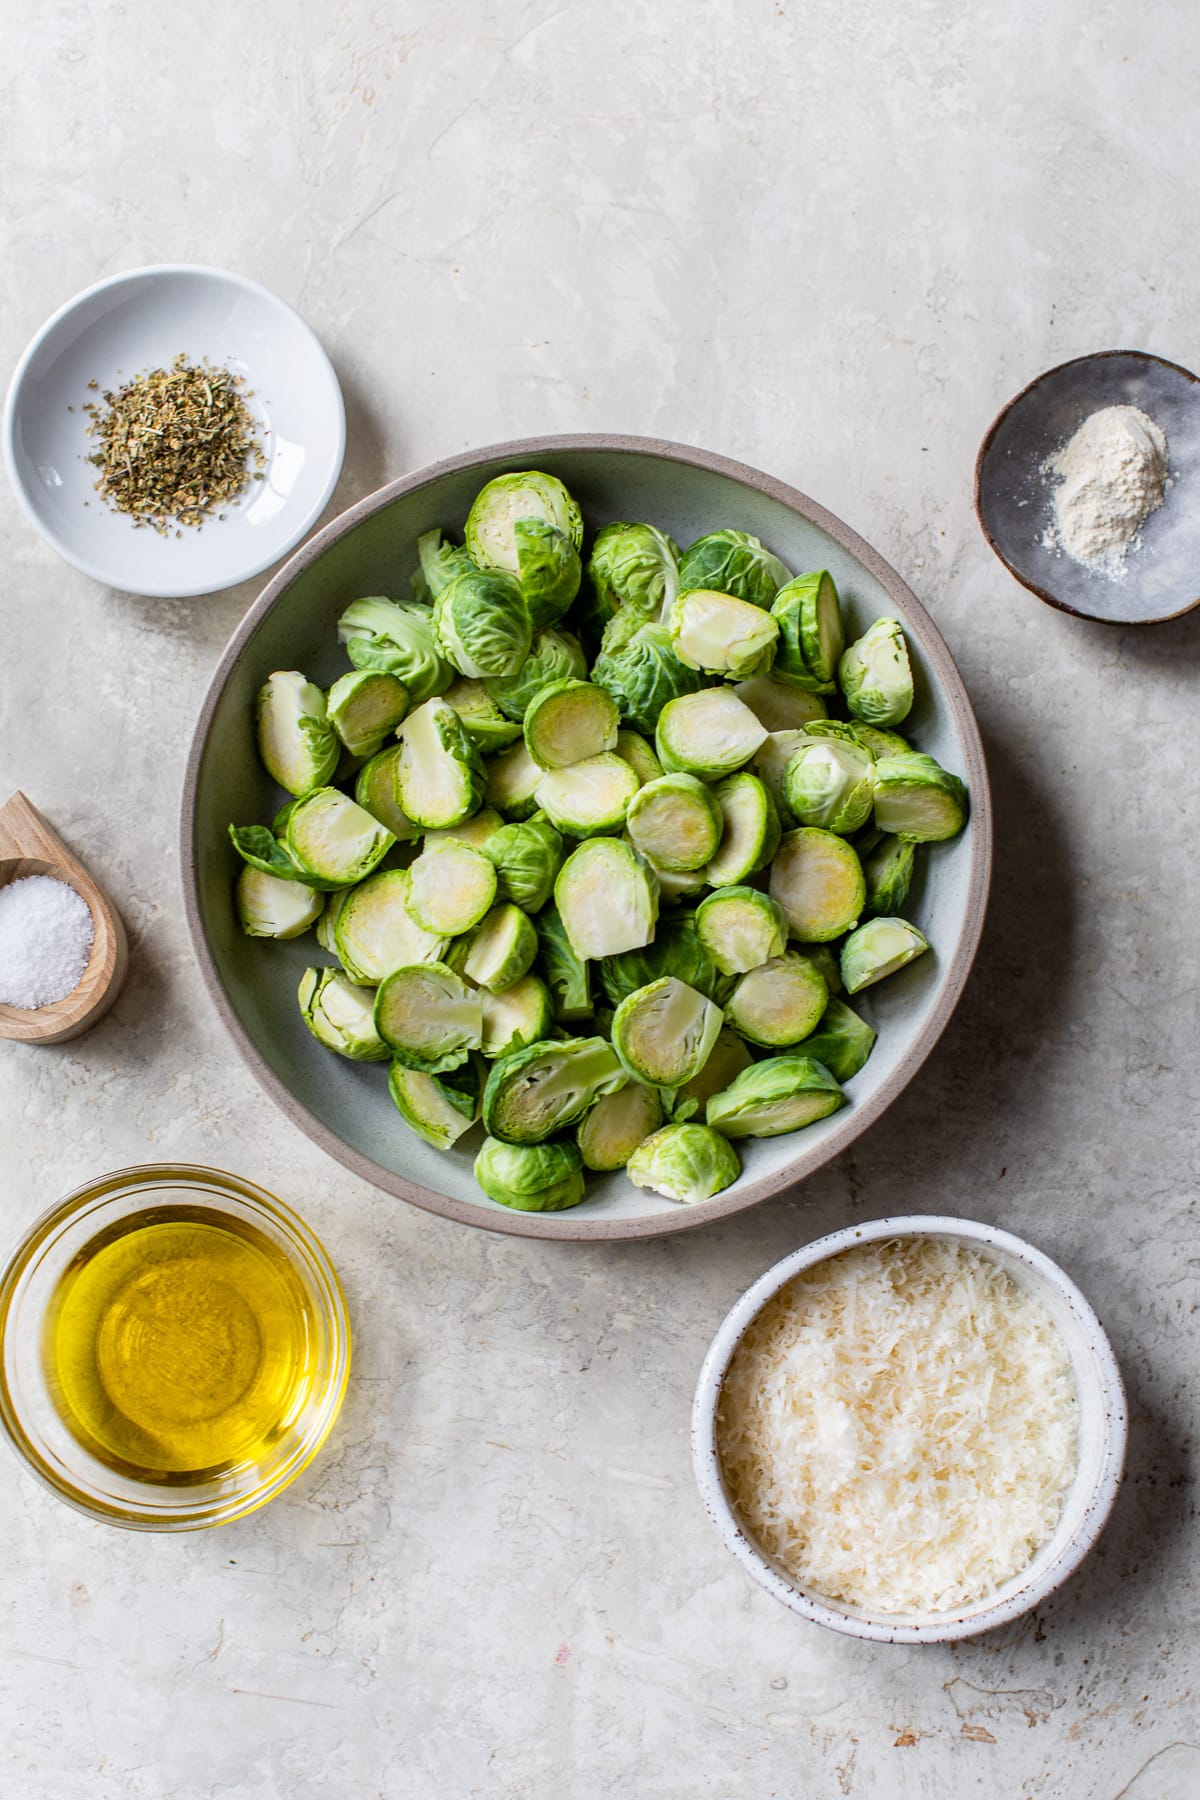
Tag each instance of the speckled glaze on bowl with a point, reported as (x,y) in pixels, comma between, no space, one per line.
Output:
(1103,1429)
(344,1105)
(1014,500)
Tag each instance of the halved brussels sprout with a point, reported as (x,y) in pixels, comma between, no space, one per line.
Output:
(439,1108)
(678,885)
(487,726)
(375,790)
(440,561)
(329,918)
(589,797)
(270,907)
(818,881)
(450,888)
(428,1017)
(490,530)
(733,562)
(568,975)
(526,858)
(888,869)
(569,722)
(332,840)
(842,1041)
(688,1163)
(374,932)
(675,949)
(728,1057)
(643,673)
(535,1092)
(663,1033)
(779,1002)
(548,568)
(879,948)
(502,949)
(750,829)
(635,566)
(811,638)
(397,638)
(676,821)
(917,800)
(777,1095)
(637,753)
(607,897)
(876,675)
(512,781)
(478,830)
(553,656)
(364,706)
(439,777)
(298,745)
(778,704)
(258,847)
(830,783)
(879,743)
(530,1177)
(710,733)
(521,1015)
(340,1015)
(611,1130)
(481,623)
(741,928)
(771,760)
(721,634)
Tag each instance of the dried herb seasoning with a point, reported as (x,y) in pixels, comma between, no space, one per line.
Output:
(175,445)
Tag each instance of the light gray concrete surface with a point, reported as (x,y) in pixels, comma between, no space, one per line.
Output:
(830,239)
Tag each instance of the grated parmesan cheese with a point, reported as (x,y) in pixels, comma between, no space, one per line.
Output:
(898,1426)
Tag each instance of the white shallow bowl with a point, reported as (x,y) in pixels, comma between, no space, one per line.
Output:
(138,321)
(1103,1428)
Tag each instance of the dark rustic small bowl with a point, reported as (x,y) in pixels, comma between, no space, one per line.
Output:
(1014,503)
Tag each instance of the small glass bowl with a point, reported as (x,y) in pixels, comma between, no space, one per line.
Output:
(27,1410)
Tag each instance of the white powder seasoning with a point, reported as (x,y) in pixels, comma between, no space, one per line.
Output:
(46,932)
(1111,475)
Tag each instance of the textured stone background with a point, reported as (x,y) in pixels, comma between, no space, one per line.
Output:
(830,239)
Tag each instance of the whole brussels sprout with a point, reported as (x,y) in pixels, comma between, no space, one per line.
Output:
(531,1177)
(688,1163)
(733,562)
(644,674)
(482,623)
(888,869)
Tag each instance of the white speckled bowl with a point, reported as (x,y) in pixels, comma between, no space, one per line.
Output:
(1103,1427)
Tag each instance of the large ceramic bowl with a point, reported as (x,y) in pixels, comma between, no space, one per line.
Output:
(345,1106)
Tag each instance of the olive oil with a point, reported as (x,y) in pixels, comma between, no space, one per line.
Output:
(180,1345)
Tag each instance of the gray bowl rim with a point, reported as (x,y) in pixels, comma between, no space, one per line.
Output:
(132,277)
(527,452)
(941,1628)
(981,456)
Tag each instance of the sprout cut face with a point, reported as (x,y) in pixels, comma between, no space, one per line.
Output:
(530,1177)
(721,634)
(332,840)
(634,750)
(830,783)
(876,675)
(818,881)
(376,792)
(749,829)
(538,1091)
(439,776)
(711,733)
(781,705)
(664,1033)
(511,780)
(741,928)
(590,797)
(363,707)
(439,1108)
(269,907)
(428,1018)
(779,1094)
(688,1163)
(676,821)
(778,1003)
(375,932)
(521,1015)
(298,745)
(491,522)
(502,950)
(339,1015)
(607,897)
(451,886)
(877,949)
(917,800)
(569,722)
(610,1132)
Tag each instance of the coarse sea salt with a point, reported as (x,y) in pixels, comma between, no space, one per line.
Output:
(46,932)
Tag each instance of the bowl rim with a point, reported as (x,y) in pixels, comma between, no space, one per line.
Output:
(132,277)
(215,1185)
(981,456)
(858,1118)
(941,1628)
